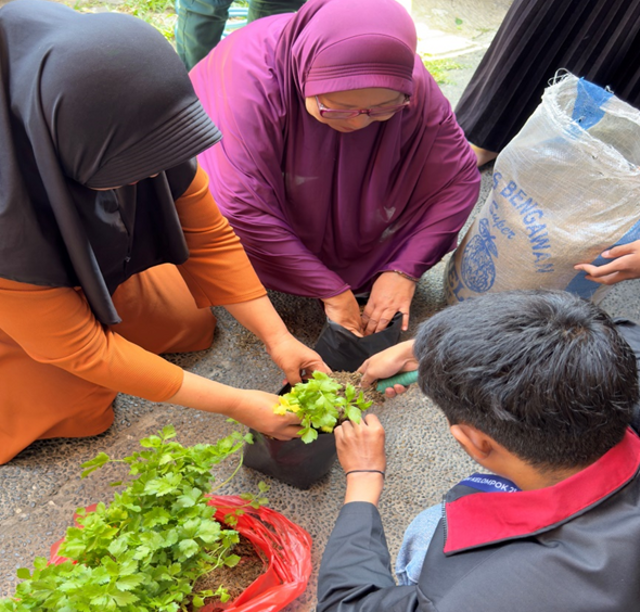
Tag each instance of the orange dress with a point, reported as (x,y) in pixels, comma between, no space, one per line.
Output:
(60,368)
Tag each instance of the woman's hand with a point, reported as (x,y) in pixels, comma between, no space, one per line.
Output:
(387,363)
(361,447)
(390,293)
(252,408)
(255,410)
(293,357)
(343,309)
(259,316)
(626,265)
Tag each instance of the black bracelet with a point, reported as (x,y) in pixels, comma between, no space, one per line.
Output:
(369,471)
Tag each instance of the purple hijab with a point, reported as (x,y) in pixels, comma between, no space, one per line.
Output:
(320,211)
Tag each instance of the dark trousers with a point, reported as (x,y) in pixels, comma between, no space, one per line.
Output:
(202,22)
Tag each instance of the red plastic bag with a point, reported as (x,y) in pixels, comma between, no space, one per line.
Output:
(286,546)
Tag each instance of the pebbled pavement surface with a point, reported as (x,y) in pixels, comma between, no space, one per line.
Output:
(40,488)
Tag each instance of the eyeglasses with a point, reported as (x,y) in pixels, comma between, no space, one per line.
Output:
(383,111)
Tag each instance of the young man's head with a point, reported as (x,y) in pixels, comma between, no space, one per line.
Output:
(543,373)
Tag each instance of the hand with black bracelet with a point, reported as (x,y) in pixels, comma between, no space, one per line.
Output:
(362,456)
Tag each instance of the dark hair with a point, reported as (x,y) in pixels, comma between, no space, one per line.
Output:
(543,373)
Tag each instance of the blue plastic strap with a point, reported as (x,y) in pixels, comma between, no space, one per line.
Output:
(587,110)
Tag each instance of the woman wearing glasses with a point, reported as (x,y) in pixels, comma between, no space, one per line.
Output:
(342,167)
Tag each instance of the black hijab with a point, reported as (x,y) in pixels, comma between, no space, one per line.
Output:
(92,101)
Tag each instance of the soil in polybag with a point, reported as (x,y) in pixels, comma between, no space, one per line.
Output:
(236,579)
(286,548)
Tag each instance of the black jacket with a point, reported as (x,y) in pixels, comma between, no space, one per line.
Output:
(573,547)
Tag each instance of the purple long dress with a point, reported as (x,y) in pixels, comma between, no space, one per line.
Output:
(320,211)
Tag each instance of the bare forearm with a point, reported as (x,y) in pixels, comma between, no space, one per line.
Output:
(361,454)
(387,363)
(364,487)
(405,354)
(204,394)
(247,406)
(260,317)
(293,357)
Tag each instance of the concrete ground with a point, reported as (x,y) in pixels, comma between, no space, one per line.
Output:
(40,488)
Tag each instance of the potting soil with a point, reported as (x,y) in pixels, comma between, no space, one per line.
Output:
(235,579)
(371,394)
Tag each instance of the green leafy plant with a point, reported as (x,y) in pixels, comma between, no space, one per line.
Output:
(145,550)
(159,13)
(321,403)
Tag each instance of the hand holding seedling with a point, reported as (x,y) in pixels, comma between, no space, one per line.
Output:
(387,363)
(252,408)
(361,454)
(343,309)
(391,293)
(256,411)
(320,404)
(625,265)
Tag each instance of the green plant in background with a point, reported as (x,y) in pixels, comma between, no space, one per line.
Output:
(144,551)
(321,403)
(439,68)
(160,14)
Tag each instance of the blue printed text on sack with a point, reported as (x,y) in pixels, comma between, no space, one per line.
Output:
(498,222)
(533,219)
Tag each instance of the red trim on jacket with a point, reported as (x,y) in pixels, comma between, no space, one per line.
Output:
(483,518)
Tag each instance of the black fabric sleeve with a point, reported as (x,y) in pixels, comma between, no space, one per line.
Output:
(180,177)
(355,574)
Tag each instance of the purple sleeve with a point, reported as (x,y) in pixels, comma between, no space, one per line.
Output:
(450,183)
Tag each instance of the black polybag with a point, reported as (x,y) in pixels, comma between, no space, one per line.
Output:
(343,351)
(294,462)
(291,461)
